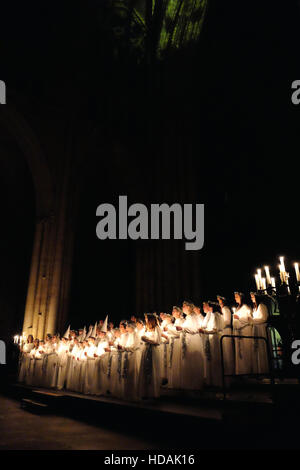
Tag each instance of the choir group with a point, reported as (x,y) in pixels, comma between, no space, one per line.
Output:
(179,351)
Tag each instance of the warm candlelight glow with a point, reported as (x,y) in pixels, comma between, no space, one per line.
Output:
(297,271)
(281,258)
(259,273)
(267,270)
(257,281)
(281,272)
(259,278)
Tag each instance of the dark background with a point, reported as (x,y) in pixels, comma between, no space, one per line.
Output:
(231,98)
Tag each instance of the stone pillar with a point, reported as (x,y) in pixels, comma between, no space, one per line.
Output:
(32,286)
(37,303)
(50,274)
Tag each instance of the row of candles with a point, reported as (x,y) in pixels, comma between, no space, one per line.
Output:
(19,339)
(263,282)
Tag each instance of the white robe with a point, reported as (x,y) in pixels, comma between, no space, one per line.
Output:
(228,344)
(213,325)
(115,379)
(163,351)
(25,361)
(89,377)
(260,355)
(38,367)
(192,354)
(80,369)
(29,374)
(110,335)
(72,366)
(62,363)
(104,374)
(49,366)
(243,347)
(149,380)
(174,355)
(131,365)
(100,352)
(115,367)
(141,343)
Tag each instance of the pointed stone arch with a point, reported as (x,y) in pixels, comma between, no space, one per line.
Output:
(29,145)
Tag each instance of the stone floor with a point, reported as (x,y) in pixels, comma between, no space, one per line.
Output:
(21,430)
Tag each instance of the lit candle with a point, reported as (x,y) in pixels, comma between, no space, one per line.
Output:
(257,281)
(281,272)
(259,278)
(263,281)
(273,284)
(297,272)
(268,275)
(281,258)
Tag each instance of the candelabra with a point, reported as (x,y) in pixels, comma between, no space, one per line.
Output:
(283,294)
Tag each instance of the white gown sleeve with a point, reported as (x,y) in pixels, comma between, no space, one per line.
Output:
(190,326)
(261,315)
(227,316)
(244,313)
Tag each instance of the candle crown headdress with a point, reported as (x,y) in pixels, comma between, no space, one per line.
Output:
(67,333)
(94,332)
(104,326)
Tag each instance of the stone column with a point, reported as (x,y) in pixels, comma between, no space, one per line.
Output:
(36,310)
(50,273)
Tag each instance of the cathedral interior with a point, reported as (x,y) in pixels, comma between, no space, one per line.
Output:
(102,102)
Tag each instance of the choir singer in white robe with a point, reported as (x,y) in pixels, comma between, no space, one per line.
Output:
(258,320)
(90,366)
(174,356)
(38,366)
(101,350)
(192,354)
(25,358)
(228,343)
(116,383)
(242,327)
(212,327)
(72,365)
(131,364)
(30,371)
(164,346)
(62,362)
(150,374)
